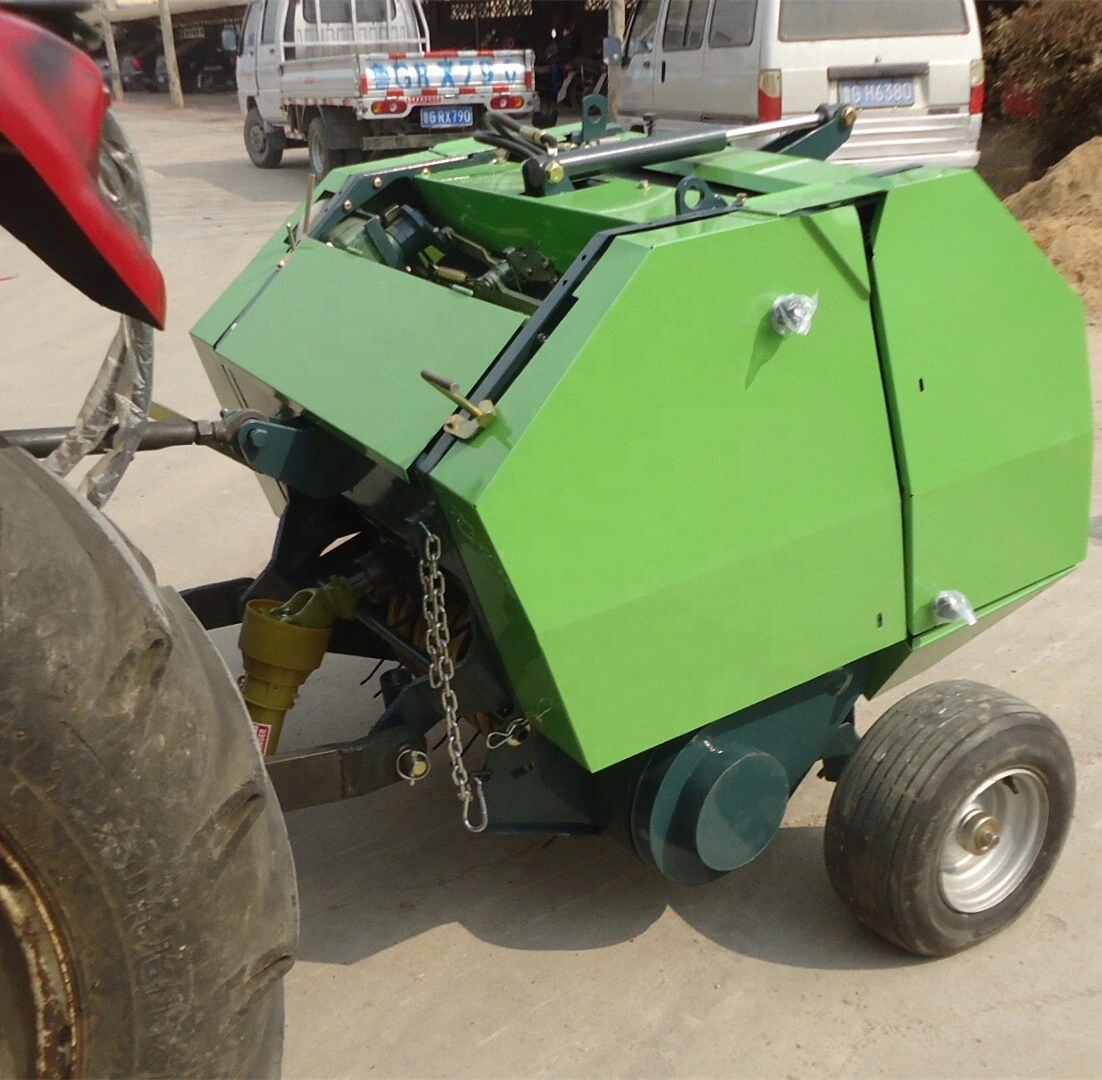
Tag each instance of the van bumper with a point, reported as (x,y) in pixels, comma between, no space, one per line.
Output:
(951,159)
(888,139)
(877,142)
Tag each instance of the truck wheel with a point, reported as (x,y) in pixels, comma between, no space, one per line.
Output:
(265,145)
(323,158)
(147,899)
(949,817)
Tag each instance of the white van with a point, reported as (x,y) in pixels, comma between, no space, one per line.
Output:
(914,68)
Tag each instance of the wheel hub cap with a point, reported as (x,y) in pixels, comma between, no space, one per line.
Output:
(993,841)
(979,833)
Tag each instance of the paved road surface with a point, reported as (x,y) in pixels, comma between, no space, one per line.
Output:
(428,952)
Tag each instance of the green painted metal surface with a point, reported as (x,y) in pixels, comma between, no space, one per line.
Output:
(358,369)
(677,514)
(986,367)
(912,657)
(699,495)
(231,303)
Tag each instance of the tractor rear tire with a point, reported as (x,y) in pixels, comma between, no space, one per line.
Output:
(147,900)
(949,817)
(263,144)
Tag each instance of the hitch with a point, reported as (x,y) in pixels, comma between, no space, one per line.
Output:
(156,435)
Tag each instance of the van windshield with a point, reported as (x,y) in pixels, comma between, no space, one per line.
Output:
(829,20)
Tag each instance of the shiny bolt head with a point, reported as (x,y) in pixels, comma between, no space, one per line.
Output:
(979,833)
(847,117)
(377,182)
(554,172)
(426,171)
(348,204)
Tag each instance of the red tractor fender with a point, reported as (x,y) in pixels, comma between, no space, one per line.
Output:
(52,108)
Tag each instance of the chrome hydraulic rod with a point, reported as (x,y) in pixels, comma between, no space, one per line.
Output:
(637,153)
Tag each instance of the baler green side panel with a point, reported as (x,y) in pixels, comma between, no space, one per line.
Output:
(251,280)
(702,497)
(467,470)
(359,369)
(987,373)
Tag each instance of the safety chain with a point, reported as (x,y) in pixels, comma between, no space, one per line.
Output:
(441,671)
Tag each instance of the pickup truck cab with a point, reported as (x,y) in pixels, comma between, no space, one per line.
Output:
(914,69)
(353,79)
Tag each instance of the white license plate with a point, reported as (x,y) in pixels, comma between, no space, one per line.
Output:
(447,118)
(877,93)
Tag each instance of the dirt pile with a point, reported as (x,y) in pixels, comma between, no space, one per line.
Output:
(1063,213)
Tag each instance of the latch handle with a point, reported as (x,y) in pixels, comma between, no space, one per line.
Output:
(481,414)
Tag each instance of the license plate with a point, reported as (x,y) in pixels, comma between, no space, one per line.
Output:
(447,118)
(877,93)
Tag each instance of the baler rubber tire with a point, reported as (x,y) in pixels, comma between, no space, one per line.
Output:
(134,805)
(274,142)
(897,799)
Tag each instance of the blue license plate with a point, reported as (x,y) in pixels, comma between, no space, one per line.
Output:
(877,93)
(447,118)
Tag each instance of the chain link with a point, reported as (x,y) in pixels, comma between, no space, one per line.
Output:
(441,672)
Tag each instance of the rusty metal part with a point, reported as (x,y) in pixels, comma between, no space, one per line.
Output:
(38,972)
(405,618)
(326,774)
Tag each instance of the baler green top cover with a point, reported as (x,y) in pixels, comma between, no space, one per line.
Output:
(678,511)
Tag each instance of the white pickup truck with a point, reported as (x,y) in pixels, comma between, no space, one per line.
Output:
(355,79)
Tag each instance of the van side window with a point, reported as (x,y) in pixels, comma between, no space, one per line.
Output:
(268,27)
(371,11)
(685,25)
(644,27)
(732,23)
(289,51)
(248,32)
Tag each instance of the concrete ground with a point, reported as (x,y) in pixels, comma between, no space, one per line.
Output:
(429,952)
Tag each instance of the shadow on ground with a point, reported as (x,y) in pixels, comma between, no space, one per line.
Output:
(242,179)
(382,870)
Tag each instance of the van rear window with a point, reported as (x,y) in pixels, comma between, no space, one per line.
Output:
(340,11)
(829,20)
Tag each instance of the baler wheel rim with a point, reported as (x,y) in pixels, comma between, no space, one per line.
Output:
(976,878)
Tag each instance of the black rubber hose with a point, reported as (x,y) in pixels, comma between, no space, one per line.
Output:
(502,121)
(513,146)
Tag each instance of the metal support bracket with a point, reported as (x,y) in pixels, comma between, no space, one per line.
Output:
(303,456)
(708,200)
(818,143)
(594,117)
